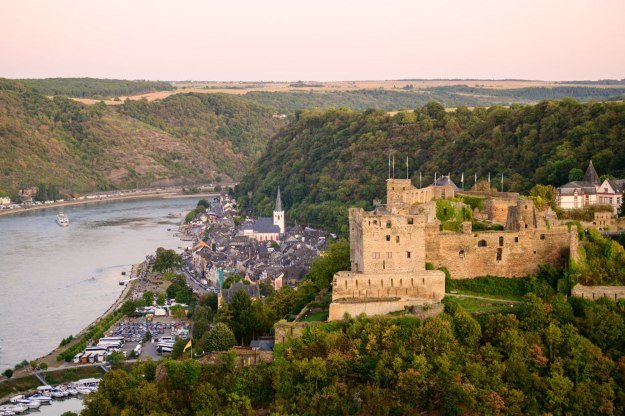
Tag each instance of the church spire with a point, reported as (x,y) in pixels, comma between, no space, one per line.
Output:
(591,175)
(278,201)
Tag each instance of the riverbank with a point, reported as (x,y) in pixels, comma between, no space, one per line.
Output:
(125,197)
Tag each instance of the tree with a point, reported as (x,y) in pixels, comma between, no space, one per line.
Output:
(8,373)
(242,317)
(218,338)
(42,366)
(148,298)
(115,359)
(167,260)
(177,312)
(203,203)
(160,299)
(576,174)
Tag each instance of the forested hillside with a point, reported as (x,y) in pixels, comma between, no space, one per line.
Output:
(81,148)
(553,357)
(95,87)
(329,160)
(448,96)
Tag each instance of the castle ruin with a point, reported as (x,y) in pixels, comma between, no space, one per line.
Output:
(390,246)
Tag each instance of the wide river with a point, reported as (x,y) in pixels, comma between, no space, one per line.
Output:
(55,280)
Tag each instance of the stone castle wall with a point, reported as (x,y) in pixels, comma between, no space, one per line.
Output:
(498,253)
(381,307)
(597,292)
(428,285)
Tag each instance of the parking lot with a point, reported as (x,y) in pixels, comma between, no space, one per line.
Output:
(134,331)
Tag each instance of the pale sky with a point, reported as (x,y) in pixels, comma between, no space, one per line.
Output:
(288,40)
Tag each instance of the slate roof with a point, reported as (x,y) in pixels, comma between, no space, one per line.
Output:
(278,201)
(617,184)
(587,188)
(251,290)
(262,345)
(591,175)
(445,181)
(262,225)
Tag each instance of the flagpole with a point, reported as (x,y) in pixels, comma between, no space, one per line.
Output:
(501,181)
(420,180)
(407,167)
(393,166)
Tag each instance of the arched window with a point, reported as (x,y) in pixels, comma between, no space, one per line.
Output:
(461,254)
(481,243)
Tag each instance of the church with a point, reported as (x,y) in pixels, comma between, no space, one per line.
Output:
(267,228)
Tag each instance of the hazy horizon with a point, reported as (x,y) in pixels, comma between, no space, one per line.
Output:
(324,40)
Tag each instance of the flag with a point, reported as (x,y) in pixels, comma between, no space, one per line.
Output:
(186,347)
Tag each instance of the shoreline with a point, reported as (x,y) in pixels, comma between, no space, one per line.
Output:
(147,195)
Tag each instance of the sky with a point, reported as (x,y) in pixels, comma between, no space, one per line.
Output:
(323,40)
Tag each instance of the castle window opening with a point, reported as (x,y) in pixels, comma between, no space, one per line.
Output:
(525,225)
(391,282)
(384,263)
(499,252)
(412,282)
(423,280)
(388,224)
(410,221)
(389,254)
(408,254)
(375,254)
(401,283)
(501,241)
(542,236)
(444,211)
(397,239)
(375,222)
(516,239)
(461,254)
(369,282)
(481,243)
(388,237)
(534,252)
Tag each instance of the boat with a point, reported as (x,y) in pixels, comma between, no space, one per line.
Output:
(62,219)
(41,399)
(31,404)
(84,391)
(15,408)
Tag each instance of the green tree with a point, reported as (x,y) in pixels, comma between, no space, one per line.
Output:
(148,298)
(8,373)
(115,359)
(218,338)
(205,399)
(161,299)
(167,260)
(576,174)
(242,317)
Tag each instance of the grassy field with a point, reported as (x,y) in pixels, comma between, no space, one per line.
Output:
(238,88)
(478,306)
(316,317)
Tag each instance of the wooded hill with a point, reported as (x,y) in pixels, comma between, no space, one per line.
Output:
(329,160)
(448,96)
(186,138)
(95,87)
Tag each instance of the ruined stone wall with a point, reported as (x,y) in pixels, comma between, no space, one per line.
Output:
(496,209)
(426,284)
(386,243)
(498,253)
(597,292)
(401,195)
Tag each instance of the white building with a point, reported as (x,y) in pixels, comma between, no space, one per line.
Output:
(591,191)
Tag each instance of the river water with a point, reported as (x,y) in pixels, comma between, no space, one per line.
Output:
(54,280)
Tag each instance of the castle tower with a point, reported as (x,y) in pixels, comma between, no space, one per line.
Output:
(278,213)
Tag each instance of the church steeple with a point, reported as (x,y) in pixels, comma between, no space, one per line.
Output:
(278,213)
(591,175)
(279,201)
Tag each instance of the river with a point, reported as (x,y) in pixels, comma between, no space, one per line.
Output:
(55,280)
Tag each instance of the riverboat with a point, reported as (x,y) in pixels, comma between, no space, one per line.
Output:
(62,219)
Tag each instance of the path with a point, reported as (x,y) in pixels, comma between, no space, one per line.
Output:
(458,295)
